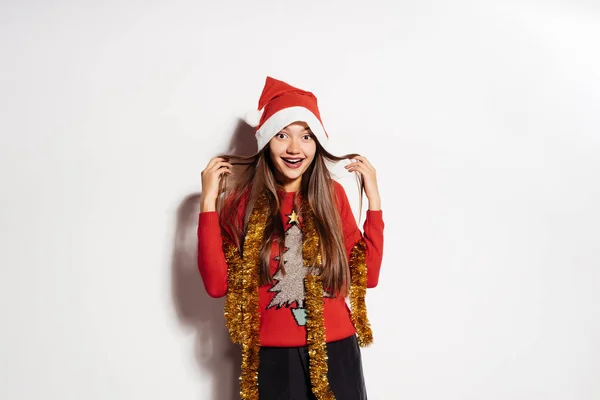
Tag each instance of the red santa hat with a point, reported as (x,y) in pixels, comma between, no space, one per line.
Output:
(281,104)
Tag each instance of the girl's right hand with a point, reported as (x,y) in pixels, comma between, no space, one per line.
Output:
(210,182)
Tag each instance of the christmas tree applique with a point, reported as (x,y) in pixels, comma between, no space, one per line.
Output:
(289,287)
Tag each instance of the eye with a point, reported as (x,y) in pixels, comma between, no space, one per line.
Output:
(307,137)
(280,135)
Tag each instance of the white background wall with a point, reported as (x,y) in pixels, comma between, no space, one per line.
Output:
(483,122)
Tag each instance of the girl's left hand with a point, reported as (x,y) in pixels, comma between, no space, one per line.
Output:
(369,175)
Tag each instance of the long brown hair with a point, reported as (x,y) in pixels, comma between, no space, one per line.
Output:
(252,176)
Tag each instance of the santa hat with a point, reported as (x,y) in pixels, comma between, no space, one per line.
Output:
(281,104)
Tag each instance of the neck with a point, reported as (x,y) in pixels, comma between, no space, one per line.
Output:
(291,185)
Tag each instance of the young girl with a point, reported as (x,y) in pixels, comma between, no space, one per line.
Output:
(282,244)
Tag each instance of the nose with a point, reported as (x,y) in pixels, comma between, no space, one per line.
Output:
(293,146)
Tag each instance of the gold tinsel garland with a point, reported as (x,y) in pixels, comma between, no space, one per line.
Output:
(358,290)
(242,314)
(315,339)
(233,301)
(315,323)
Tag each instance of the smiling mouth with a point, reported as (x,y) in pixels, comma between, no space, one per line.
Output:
(292,160)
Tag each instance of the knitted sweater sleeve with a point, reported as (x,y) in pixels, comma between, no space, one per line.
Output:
(372,234)
(211,260)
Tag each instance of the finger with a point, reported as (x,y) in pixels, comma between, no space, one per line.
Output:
(223,170)
(363,170)
(364,160)
(221,164)
(214,161)
(364,167)
(357,168)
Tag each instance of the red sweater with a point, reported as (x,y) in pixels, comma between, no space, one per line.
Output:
(282,318)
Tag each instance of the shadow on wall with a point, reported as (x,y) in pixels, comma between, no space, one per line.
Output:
(216,356)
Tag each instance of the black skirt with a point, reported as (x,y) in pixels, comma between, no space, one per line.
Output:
(283,372)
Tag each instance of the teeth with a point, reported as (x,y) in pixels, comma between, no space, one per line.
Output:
(292,161)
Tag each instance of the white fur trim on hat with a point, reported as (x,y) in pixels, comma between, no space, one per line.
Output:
(252,118)
(283,118)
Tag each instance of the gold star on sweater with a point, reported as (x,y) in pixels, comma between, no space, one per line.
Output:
(293,218)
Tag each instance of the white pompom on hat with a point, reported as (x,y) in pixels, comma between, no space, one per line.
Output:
(252,118)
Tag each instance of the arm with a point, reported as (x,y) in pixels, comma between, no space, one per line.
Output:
(373,234)
(211,260)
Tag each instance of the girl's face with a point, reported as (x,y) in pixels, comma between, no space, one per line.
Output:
(292,151)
